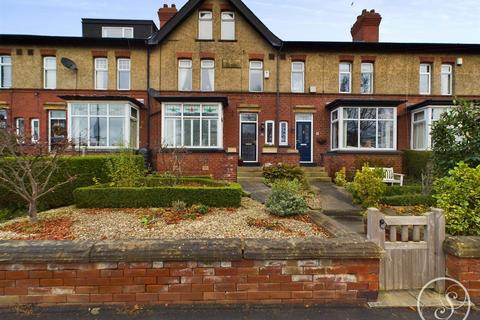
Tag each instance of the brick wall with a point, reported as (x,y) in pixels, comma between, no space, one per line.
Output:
(292,159)
(467,271)
(335,161)
(245,281)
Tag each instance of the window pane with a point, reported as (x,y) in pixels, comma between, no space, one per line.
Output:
(98,132)
(345,82)
(185,75)
(98,109)
(178,132)
(168,132)
(50,79)
(210,111)
(205,129)
(368,133)
(419,136)
(213,133)
(128,33)
(5,72)
(124,80)
(117,109)
(424,84)
(79,109)
(446,84)
(368,113)
(283,134)
(116,132)
(366,83)
(208,74)
(80,130)
(350,133)
(344,67)
(385,113)
(256,65)
(256,80)
(196,133)
(335,135)
(419,116)
(173,110)
(269,133)
(385,134)
(133,133)
(101,80)
(205,26)
(191,110)
(350,113)
(3,119)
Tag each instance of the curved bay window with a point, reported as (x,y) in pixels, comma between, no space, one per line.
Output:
(103,125)
(364,128)
(192,125)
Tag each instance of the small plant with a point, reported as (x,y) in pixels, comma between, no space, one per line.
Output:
(124,171)
(179,206)
(368,186)
(146,220)
(201,209)
(341,178)
(284,172)
(286,199)
(458,194)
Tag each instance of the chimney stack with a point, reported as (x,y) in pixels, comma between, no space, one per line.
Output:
(166,13)
(367,27)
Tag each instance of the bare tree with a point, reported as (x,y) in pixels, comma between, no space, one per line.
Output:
(28,168)
(173,159)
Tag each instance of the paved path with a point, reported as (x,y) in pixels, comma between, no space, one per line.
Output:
(338,205)
(222,313)
(258,190)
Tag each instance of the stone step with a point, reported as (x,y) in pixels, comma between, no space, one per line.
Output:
(249,179)
(249,174)
(320,179)
(249,169)
(316,174)
(313,169)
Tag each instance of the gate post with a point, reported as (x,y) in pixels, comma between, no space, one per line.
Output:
(437,220)
(374,232)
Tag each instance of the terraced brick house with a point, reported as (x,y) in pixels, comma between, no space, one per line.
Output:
(215,80)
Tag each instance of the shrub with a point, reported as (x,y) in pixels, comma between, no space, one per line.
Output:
(283,172)
(105,196)
(202,209)
(85,169)
(415,163)
(458,194)
(368,186)
(405,190)
(124,171)
(341,178)
(179,205)
(408,200)
(456,137)
(285,199)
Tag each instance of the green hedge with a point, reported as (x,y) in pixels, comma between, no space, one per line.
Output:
(415,162)
(84,168)
(155,181)
(226,196)
(408,200)
(404,190)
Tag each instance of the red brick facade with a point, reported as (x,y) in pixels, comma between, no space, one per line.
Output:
(467,271)
(231,282)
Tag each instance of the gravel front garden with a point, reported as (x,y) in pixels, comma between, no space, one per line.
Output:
(251,220)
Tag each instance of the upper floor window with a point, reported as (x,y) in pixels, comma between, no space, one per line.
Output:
(345,77)
(298,76)
(101,73)
(446,79)
(123,74)
(256,76)
(185,75)
(117,32)
(228,25)
(35,130)
(5,71)
(270,132)
(208,75)
(363,128)
(366,78)
(425,78)
(49,72)
(205,25)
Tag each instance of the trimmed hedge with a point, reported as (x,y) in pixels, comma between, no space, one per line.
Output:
(405,190)
(84,168)
(220,196)
(415,162)
(408,200)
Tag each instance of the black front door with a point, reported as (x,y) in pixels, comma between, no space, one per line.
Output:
(304,141)
(249,142)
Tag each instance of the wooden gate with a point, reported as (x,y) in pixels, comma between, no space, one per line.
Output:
(413,249)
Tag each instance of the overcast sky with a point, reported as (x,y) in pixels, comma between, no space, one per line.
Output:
(453,21)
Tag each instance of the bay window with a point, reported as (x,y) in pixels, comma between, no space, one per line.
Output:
(103,125)
(345,77)
(422,122)
(5,72)
(298,77)
(207,77)
(192,125)
(363,128)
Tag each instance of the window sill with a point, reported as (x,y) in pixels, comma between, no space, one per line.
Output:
(221,40)
(364,151)
(204,40)
(200,150)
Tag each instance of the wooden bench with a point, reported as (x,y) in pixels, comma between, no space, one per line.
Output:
(389,176)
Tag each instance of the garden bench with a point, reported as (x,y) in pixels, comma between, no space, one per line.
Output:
(389,176)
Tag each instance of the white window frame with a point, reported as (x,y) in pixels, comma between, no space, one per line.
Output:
(50,118)
(341,122)
(429,77)
(190,69)
(302,72)
(129,69)
(251,70)
(370,72)
(220,123)
(270,123)
(207,24)
(124,32)
(429,121)
(448,73)
(349,73)
(126,124)
(281,141)
(227,21)
(98,70)
(204,68)
(20,131)
(49,71)
(4,121)
(35,122)
(3,66)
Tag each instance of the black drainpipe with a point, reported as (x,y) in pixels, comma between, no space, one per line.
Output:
(277,102)
(148,97)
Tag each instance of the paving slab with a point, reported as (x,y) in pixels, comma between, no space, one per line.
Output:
(258,190)
(408,299)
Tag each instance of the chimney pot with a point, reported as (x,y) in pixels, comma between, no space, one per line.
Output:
(367,27)
(166,13)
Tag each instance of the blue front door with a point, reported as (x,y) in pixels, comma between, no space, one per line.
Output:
(304,141)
